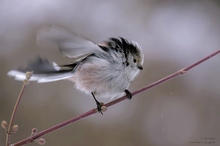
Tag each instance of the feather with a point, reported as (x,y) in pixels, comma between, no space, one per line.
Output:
(68,43)
(40,78)
(43,71)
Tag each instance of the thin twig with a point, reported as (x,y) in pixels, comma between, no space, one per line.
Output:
(8,134)
(9,129)
(93,111)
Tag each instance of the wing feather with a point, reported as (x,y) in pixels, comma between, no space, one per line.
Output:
(69,43)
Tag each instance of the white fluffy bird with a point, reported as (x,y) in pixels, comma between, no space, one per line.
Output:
(103,70)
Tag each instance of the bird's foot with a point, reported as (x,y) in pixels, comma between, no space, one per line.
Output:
(101,107)
(128,94)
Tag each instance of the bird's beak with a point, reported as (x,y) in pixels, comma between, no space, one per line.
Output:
(140,67)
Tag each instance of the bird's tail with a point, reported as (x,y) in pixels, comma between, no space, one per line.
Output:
(44,71)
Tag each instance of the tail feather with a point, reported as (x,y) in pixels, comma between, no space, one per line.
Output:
(44,71)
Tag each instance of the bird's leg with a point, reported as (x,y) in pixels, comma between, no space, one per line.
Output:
(99,105)
(128,94)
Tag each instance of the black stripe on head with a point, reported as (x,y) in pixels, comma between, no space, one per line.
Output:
(124,46)
(120,45)
(130,47)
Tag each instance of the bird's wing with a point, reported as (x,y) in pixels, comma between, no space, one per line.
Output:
(69,43)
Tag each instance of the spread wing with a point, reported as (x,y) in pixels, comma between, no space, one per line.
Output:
(68,43)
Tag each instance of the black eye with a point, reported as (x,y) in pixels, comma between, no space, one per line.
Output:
(134,60)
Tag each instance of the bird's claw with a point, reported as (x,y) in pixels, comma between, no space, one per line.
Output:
(128,94)
(101,107)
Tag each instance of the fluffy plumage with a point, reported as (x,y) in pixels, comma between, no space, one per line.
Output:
(105,69)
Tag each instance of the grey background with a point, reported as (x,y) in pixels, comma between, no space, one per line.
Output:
(173,34)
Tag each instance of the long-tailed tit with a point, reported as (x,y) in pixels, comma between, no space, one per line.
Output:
(103,70)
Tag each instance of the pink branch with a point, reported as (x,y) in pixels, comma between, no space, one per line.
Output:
(93,111)
(9,130)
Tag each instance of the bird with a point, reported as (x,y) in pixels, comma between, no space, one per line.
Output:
(103,69)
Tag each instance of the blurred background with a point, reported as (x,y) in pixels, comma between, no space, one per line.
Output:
(173,34)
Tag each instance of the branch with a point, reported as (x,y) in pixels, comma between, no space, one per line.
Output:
(93,111)
(9,128)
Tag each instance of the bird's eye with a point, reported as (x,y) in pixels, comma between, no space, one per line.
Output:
(134,60)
